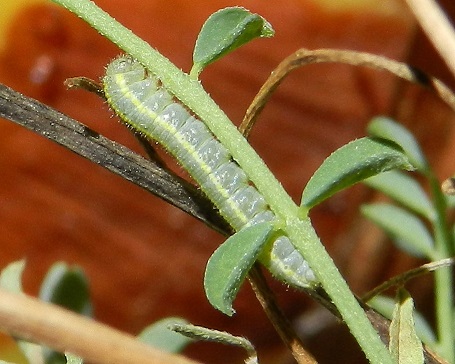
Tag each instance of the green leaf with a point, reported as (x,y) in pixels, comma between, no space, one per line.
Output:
(405,190)
(160,336)
(11,277)
(405,346)
(352,163)
(409,232)
(230,263)
(67,287)
(225,31)
(385,306)
(382,127)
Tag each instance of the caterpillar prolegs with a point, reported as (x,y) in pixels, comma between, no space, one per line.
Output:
(140,101)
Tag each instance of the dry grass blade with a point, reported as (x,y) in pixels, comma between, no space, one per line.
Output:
(32,320)
(304,57)
(406,276)
(437,28)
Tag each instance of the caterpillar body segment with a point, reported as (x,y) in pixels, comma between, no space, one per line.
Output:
(142,103)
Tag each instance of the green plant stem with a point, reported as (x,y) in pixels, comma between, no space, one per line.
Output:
(444,297)
(191,93)
(307,241)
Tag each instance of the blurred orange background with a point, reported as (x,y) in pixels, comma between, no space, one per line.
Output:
(145,259)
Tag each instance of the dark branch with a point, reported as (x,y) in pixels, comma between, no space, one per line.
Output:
(80,139)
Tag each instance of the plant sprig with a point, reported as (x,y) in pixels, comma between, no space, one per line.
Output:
(296,226)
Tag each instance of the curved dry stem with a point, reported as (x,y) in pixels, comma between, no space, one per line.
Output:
(401,279)
(64,331)
(304,57)
(85,83)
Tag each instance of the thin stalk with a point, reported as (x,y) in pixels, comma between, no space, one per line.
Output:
(402,279)
(444,295)
(282,325)
(191,93)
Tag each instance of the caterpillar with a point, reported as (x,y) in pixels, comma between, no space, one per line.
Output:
(138,98)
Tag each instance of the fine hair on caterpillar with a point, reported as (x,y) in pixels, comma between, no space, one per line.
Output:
(140,100)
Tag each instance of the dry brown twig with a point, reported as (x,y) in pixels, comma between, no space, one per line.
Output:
(29,318)
(304,57)
(282,325)
(401,279)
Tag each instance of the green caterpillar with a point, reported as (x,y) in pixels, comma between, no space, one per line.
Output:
(140,101)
